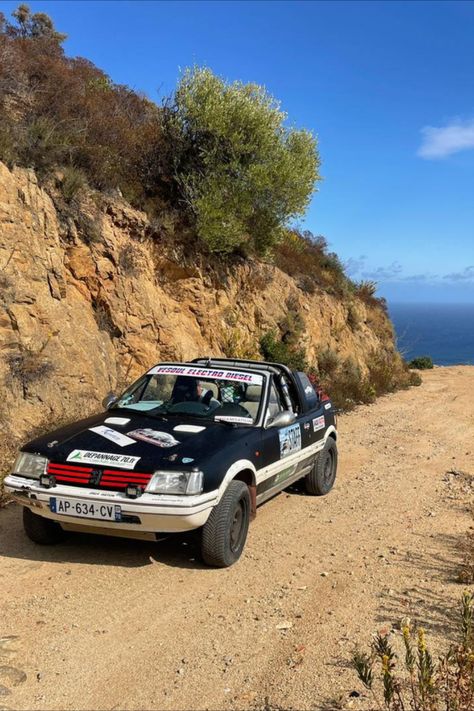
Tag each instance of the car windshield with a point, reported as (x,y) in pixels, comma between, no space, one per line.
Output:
(220,395)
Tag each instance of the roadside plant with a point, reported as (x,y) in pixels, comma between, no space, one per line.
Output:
(421,363)
(412,680)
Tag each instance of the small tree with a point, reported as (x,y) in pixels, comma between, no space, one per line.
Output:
(33,25)
(242,173)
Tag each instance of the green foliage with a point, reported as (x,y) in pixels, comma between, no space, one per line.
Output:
(275,350)
(349,386)
(328,362)
(241,172)
(366,290)
(419,683)
(305,257)
(421,363)
(73,181)
(284,345)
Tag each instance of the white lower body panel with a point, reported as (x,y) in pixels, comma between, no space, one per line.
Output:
(153,513)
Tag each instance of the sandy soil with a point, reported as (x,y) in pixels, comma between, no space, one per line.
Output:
(110,624)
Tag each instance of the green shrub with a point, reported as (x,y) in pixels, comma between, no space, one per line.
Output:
(73,181)
(277,351)
(415,379)
(305,257)
(328,362)
(242,173)
(421,363)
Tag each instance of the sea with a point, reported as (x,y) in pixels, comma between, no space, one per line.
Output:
(445,332)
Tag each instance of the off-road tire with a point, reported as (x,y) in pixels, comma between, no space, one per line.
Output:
(225,531)
(321,478)
(42,530)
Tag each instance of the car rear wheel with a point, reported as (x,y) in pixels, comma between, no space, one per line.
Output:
(225,531)
(321,478)
(42,530)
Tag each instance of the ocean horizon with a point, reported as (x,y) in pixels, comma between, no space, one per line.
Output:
(445,332)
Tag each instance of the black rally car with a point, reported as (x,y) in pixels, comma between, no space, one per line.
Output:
(189,445)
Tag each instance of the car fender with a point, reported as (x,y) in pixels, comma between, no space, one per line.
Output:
(239,466)
(330,432)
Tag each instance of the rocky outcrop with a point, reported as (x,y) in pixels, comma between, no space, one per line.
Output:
(89,303)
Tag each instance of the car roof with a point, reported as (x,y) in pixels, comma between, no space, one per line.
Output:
(243,364)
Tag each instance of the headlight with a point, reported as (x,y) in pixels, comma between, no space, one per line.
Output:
(30,465)
(175,483)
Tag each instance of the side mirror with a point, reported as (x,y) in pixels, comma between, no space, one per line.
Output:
(109,400)
(283,419)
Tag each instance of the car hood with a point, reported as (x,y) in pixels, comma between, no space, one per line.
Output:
(151,442)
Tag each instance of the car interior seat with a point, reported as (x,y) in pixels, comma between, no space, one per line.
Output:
(251,399)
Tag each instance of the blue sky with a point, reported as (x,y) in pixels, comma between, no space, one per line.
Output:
(386,86)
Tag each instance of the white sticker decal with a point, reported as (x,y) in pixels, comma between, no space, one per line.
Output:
(83,456)
(112,435)
(290,440)
(318,423)
(117,421)
(160,439)
(234,419)
(188,428)
(327,406)
(211,373)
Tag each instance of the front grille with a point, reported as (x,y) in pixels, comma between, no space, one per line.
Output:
(113,479)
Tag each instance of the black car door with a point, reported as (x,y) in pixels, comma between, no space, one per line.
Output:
(282,451)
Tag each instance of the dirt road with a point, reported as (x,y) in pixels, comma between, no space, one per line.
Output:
(108,624)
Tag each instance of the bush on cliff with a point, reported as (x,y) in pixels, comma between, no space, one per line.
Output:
(242,173)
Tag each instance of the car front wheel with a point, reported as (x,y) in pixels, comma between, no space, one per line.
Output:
(42,530)
(321,478)
(225,531)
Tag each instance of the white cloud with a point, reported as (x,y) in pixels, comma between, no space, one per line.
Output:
(441,142)
(467,274)
(392,271)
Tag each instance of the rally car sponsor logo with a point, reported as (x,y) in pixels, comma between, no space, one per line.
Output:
(160,439)
(290,440)
(84,456)
(206,373)
(112,435)
(318,423)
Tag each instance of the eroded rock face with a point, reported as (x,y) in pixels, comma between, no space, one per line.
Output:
(82,317)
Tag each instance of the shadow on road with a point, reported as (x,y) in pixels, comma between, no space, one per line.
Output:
(174,550)
(437,611)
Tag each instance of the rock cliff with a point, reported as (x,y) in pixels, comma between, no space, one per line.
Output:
(89,302)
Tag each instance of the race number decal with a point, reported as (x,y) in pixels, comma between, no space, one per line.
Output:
(290,440)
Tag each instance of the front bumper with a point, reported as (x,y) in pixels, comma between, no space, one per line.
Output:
(151,513)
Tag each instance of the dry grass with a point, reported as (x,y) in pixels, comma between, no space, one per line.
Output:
(29,367)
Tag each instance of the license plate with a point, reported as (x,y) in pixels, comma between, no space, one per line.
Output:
(85,509)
